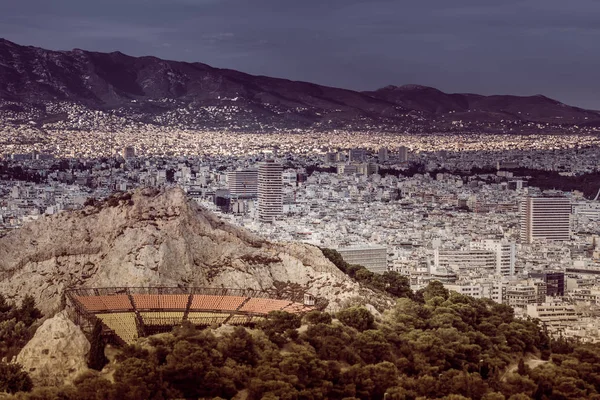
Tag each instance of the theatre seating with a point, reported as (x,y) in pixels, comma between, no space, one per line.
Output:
(123,324)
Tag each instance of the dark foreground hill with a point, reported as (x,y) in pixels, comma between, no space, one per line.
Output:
(43,87)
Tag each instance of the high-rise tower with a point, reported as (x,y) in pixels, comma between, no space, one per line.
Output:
(270,190)
(545,218)
(243,183)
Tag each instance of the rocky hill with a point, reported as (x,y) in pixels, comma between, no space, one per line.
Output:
(151,238)
(69,89)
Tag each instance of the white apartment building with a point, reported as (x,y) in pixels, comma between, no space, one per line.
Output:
(585,295)
(373,258)
(504,251)
(591,211)
(554,316)
(270,191)
(465,260)
(466,289)
(488,289)
(243,183)
(545,218)
(290,177)
(521,295)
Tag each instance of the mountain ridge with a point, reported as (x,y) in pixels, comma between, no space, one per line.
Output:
(151,90)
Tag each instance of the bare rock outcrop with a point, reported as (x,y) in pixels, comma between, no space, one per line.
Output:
(151,238)
(56,354)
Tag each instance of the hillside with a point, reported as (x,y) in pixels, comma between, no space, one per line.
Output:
(72,89)
(434,345)
(151,238)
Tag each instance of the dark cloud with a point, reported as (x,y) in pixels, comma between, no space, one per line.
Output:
(515,46)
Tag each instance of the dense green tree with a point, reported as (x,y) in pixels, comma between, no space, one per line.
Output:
(28,313)
(522,368)
(493,396)
(279,326)
(91,387)
(17,325)
(140,379)
(397,285)
(357,317)
(517,384)
(96,358)
(434,289)
(5,307)
(332,342)
(372,347)
(317,317)
(390,282)
(239,346)
(13,379)
(443,346)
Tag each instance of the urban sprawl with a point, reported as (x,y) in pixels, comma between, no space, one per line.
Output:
(512,218)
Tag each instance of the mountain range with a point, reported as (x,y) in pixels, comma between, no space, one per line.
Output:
(41,87)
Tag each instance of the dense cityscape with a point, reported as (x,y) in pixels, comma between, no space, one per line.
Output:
(431,208)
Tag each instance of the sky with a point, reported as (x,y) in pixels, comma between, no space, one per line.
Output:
(517,47)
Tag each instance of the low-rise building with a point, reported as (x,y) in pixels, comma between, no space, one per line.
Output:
(373,258)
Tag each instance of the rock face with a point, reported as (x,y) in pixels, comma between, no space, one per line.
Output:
(152,238)
(56,354)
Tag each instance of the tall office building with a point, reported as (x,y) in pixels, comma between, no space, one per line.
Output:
(554,280)
(243,183)
(383,154)
(270,190)
(330,158)
(403,154)
(128,152)
(357,155)
(545,218)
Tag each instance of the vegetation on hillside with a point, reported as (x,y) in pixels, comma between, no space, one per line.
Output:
(390,282)
(437,345)
(17,326)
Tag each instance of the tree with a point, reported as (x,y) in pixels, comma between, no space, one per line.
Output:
(140,379)
(5,307)
(435,289)
(239,346)
(96,358)
(522,368)
(91,386)
(13,379)
(336,258)
(357,317)
(397,285)
(372,347)
(28,313)
(279,324)
(317,317)
(517,384)
(493,396)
